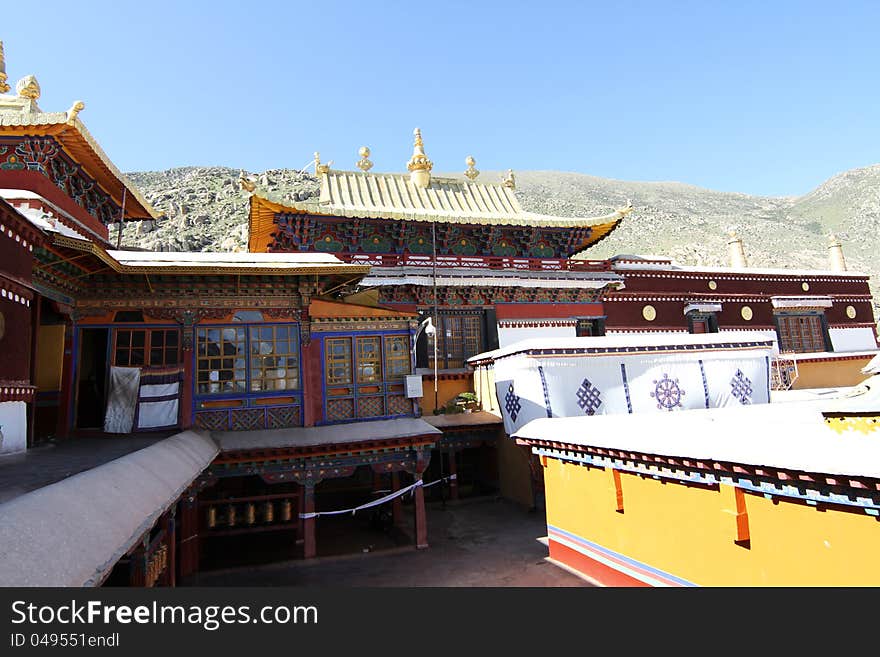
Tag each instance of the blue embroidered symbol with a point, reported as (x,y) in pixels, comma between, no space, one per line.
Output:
(667,393)
(741,387)
(589,397)
(511,403)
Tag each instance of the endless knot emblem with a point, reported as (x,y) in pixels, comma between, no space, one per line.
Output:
(511,403)
(589,397)
(741,387)
(667,393)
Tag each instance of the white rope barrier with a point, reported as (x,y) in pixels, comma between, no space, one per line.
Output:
(377,502)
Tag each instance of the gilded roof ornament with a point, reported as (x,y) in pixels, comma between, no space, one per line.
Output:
(28,88)
(364,164)
(77,107)
(320,168)
(246,182)
(419,166)
(509,180)
(472,172)
(3,86)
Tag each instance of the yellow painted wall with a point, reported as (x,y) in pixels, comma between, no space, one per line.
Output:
(689,532)
(50,357)
(830,374)
(484,387)
(447,389)
(514,475)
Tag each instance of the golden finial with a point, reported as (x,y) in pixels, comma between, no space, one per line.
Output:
(320,168)
(509,180)
(364,163)
(77,107)
(28,87)
(419,166)
(3,86)
(472,172)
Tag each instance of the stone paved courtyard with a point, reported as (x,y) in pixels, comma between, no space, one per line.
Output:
(484,542)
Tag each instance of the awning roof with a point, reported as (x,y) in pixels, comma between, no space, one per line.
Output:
(73,532)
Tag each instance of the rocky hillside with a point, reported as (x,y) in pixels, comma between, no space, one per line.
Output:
(206,210)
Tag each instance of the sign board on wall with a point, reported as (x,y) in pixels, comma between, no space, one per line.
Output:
(414,388)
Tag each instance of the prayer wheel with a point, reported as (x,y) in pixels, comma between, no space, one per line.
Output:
(230,517)
(286,511)
(212,517)
(269,512)
(251,513)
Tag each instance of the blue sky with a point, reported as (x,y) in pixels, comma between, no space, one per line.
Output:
(759,97)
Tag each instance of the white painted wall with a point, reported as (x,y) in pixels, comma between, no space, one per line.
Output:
(508,336)
(13,425)
(858,338)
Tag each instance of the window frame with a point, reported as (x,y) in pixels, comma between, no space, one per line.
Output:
(818,333)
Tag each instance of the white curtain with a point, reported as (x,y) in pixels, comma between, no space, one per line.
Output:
(122,399)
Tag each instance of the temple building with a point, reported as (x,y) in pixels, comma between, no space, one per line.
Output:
(325,370)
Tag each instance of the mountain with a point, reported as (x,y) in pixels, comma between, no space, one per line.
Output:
(206,210)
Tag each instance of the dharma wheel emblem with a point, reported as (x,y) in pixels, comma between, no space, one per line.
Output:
(667,393)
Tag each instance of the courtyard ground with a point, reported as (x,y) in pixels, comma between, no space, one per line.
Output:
(486,542)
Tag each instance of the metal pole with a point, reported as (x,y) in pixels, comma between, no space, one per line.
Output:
(437,327)
(121,219)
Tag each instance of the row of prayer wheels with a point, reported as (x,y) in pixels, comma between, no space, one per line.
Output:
(235,515)
(156,565)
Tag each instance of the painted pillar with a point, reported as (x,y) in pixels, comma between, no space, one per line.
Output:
(32,367)
(187,332)
(137,566)
(313,409)
(171,542)
(189,534)
(396,503)
(310,549)
(419,504)
(453,470)
(65,401)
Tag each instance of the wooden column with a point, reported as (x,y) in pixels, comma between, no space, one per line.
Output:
(419,504)
(66,396)
(189,534)
(309,544)
(397,502)
(137,566)
(171,542)
(32,368)
(453,470)
(188,383)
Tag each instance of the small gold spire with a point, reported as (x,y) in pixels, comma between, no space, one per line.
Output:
(3,86)
(320,168)
(472,172)
(509,180)
(364,164)
(419,166)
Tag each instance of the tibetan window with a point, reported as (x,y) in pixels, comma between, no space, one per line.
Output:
(274,354)
(363,376)
(146,347)
(459,336)
(801,332)
(221,365)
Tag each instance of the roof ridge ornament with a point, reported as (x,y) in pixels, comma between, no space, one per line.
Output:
(3,86)
(419,166)
(77,107)
(364,164)
(472,172)
(320,169)
(509,180)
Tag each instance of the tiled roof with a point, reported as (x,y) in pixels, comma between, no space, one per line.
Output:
(394,196)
